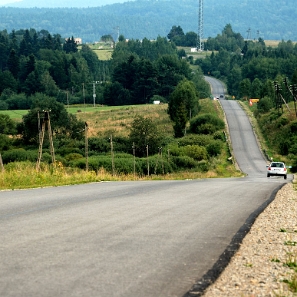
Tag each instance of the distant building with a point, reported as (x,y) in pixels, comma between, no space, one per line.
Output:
(76,40)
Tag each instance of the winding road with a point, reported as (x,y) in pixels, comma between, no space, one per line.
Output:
(132,239)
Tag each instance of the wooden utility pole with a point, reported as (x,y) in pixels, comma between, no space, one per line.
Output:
(133,147)
(147,158)
(86,146)
(46,122)
(112,155)
(1,163)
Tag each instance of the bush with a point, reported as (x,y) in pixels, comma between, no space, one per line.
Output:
(19,101)
(73,156)
(98,145)
(194,139)
(206,124)
(184,162)
(196,152)
(64,151)
(264,104)
(157,165)
(214,148)
(3,105)
(294,166)
(219,135)
(203,166)
(124,164)
(206,129)
(5,142)
(18,155)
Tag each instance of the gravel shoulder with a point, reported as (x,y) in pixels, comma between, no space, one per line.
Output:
(259,267)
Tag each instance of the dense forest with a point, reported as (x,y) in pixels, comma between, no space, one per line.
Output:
(37,62)
(269,19)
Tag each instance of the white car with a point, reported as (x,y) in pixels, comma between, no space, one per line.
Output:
(277,169)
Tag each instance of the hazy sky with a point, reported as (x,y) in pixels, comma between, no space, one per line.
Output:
(5,2)
(66,3)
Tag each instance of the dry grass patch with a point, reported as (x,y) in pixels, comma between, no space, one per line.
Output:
(119,120)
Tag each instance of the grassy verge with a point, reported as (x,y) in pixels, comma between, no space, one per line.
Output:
(23,175)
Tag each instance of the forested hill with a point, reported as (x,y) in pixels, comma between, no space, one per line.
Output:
(269,19)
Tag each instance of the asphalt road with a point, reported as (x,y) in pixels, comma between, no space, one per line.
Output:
(146,239)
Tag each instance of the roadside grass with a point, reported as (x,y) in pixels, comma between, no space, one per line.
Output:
(291,262)
(23,175)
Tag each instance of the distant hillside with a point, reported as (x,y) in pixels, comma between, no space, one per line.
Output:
(269,19)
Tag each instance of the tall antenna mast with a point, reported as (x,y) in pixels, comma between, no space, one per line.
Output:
(200,45)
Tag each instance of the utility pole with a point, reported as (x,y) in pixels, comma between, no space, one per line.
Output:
(94,91)
(147,158)
(86,146)
(293,91)
(1,164)
(133,147)
(83,84)
(112,155)
(278,102)
(46,122)
(67,98)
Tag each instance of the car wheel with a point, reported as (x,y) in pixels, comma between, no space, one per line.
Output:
(285,177)
(268,175)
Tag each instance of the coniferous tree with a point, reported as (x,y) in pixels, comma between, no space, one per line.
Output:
(13,63)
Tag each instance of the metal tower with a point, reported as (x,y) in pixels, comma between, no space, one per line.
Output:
(200,45)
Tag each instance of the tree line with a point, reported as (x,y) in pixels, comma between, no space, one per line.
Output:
(140,19)
(249,68)
(37,62)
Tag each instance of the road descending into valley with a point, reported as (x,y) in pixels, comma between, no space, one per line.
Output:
(132,239)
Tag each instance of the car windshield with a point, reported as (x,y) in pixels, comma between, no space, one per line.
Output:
(280,165)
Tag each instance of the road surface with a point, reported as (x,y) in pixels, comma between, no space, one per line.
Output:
(130,239)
